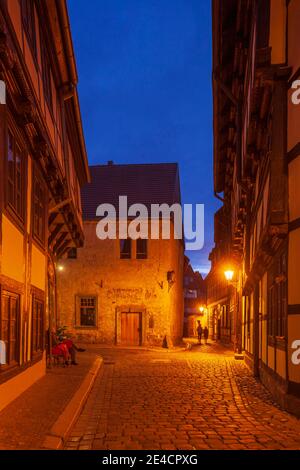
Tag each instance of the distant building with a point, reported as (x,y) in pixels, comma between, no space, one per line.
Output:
(220,296)
(194,299)
(42,165)
(125,292)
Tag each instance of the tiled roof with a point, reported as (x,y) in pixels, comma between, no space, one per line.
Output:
(141,183)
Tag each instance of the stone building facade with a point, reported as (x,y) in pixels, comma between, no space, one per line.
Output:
(125,292)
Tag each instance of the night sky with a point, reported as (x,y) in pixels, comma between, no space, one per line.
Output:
(145,90)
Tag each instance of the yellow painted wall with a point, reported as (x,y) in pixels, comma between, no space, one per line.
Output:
(38,268)
(11,389)
(13,264)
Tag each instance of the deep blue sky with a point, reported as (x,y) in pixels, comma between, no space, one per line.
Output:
(145,90)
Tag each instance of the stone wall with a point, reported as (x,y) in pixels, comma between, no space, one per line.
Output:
(123,285)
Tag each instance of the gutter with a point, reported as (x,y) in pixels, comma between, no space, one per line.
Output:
(73,94)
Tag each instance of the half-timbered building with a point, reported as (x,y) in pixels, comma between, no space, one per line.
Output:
(256,60)
(43,163)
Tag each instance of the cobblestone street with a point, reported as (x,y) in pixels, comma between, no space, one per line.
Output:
(202,399)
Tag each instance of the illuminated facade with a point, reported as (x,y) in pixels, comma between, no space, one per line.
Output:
(42,165)
(194,289)
(125,292)
(256,59)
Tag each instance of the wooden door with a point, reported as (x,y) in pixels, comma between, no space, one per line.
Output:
(130,329)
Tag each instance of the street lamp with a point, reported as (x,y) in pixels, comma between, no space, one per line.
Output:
(229,273)
(201,309)
(229,276)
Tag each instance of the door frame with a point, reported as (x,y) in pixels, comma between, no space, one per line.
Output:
(130,309)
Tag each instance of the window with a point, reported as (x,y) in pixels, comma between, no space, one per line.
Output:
(87,311)
(9,326)
(38,208)
(125,248)
(46,75)
(37,325)
(72,253)
(27,8)
(141,248)
(277,299)
(15,177)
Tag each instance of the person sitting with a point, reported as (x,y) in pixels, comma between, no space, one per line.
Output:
(58,348)
(64,346)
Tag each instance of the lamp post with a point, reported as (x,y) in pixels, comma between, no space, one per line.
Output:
(229,274)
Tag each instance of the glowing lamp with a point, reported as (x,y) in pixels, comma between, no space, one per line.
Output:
(229,275)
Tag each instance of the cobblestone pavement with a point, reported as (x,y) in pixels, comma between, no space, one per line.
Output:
(202,399)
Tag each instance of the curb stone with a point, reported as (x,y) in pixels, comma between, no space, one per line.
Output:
(61,428)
